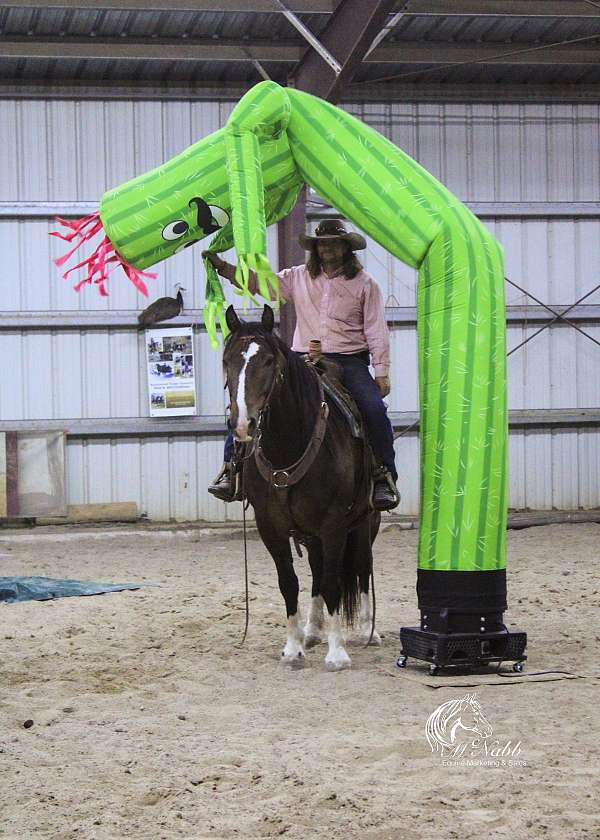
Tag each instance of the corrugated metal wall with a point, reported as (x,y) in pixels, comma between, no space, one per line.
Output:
(73,151)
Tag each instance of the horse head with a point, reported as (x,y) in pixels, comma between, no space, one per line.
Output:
(253,363)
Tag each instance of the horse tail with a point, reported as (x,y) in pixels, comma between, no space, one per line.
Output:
(350,600)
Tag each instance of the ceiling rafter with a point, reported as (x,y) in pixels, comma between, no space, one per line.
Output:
(227,50)
(488,8)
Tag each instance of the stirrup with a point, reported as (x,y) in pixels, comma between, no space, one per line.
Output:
(224,486)
(384,493)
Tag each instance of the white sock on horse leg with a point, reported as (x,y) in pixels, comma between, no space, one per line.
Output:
(313,629)
(337,657)
(293,652)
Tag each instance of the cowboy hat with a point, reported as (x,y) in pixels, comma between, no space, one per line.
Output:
(333,229)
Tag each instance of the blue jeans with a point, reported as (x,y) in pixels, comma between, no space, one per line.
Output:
(362,386)
(359,382)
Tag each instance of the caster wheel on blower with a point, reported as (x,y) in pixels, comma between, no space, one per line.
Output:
(401,661)
(518,667)
(433,670)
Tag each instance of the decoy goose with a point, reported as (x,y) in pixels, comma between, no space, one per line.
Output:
(162,309)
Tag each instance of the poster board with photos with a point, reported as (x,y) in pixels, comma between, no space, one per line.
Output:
(171,372)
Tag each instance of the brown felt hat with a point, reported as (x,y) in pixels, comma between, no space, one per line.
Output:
(333,229)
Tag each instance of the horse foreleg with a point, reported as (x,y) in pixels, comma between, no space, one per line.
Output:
(293,652)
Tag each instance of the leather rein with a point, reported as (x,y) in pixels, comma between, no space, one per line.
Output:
(283,479)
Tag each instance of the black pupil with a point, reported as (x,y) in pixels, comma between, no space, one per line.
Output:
(180,227)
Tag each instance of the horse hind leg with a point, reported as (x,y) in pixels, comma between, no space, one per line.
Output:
(367,634)
(333,590)
(314,627)
(361,545)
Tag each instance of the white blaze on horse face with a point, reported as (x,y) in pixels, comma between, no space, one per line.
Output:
(241,429)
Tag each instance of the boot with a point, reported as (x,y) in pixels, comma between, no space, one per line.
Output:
(224,485)
(385,492)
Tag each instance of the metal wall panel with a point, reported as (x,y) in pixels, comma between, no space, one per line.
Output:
(73,151)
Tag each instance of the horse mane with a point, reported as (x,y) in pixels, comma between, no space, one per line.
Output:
(298,378)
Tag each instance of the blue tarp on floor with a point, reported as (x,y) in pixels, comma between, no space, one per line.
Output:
(13,589)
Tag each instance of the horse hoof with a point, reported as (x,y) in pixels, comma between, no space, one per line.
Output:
(366,639)
(311,641)
(338,663)
(295,661)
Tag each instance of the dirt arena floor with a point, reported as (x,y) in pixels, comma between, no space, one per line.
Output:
(149,722)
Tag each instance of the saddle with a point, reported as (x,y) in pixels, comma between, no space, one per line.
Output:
(331,379)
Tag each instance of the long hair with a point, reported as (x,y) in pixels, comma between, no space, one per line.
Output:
(351,265)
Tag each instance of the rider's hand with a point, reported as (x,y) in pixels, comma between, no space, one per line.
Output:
(383,383)
(215,259)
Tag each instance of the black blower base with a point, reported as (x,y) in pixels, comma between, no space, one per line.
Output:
(464,650)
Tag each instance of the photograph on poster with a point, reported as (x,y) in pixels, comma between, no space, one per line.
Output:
(170,368)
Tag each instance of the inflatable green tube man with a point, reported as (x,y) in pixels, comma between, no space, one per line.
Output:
(235,182)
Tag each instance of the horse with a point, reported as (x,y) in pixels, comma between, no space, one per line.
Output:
(306,477)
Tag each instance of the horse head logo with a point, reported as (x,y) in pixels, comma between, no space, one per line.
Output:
(451,720)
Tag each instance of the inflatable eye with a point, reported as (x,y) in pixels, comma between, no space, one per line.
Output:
(185,245)
(219,215)
(175,230)
(209,217)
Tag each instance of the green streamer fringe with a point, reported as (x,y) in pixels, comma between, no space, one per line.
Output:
(268,281)
(213,307)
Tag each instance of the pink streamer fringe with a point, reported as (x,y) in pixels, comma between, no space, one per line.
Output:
(97,265)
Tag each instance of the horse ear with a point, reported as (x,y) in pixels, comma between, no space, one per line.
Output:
(232,320)
(268,319)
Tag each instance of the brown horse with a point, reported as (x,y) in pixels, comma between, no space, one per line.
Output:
(306,477)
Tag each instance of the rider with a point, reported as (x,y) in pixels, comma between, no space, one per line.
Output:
(338,303)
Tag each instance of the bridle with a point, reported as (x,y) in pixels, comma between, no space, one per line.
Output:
(284,478)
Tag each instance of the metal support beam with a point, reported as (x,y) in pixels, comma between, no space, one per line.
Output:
(139,90)
(308,36)
(310,71)
(349,34)
(457,8)
(126,319)
(317,209)
(212,425)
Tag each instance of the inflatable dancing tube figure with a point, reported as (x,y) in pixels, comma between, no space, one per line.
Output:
(240,179)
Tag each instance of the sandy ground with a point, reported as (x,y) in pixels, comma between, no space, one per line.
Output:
(150,723)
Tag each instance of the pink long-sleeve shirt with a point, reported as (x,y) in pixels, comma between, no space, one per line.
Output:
(345,315)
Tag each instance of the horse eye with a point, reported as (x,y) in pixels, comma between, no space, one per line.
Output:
(175,230)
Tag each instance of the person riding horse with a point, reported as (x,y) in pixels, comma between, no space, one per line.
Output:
(338,303)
